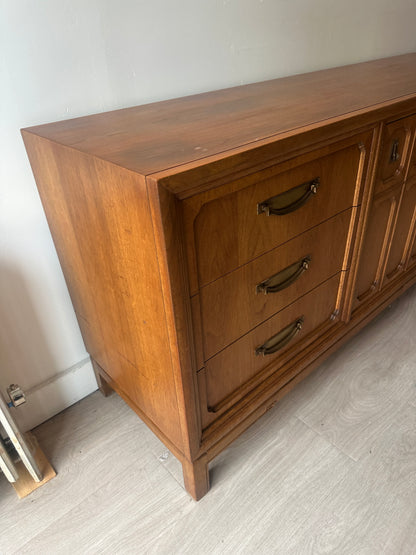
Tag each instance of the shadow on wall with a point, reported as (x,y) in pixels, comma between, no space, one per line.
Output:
(25,357)
(28,358)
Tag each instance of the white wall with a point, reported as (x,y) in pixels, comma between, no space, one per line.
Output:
(64,58)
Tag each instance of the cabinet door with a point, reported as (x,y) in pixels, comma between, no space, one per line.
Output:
(381,220)
(403,234)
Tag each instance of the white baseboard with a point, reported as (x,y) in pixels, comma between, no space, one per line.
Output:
(56,394)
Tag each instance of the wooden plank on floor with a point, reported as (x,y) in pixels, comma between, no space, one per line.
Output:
(26,484)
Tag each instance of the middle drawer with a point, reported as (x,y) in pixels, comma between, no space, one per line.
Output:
(236,303)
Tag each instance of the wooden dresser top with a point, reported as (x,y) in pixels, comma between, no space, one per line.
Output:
(163,135)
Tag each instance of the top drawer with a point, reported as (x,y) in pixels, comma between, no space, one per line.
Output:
(394,152)
(234,228)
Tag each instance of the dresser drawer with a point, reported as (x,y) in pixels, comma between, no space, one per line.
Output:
(394,153)
(233,229)
(253,354)
(234,304)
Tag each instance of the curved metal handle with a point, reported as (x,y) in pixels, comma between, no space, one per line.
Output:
(285,277)
(280,339)
(290,200)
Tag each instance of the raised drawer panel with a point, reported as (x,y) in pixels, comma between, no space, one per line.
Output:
(229,231)
(394,155)
(234,304)
(238,363)
(403,233)
(381,221)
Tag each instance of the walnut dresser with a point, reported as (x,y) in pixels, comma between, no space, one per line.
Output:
(218,247)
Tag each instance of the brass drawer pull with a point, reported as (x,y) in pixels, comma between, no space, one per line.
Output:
(280,339)
(285,277)
(289,201)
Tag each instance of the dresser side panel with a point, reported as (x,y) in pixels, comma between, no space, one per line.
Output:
(101,224)
(169,233)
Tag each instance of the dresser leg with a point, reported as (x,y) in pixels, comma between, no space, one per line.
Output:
(102,384)
(195,477)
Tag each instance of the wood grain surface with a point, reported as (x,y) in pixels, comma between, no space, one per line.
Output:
(403,234)
(396,141)
(100,220)
(391,224)
(380,226)
(237,363)
(25,485)
(161,135)
(229,232)
(243,308)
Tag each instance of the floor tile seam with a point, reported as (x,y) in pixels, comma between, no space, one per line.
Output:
(344,453)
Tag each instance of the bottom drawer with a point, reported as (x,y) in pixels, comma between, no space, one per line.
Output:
(270,344)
